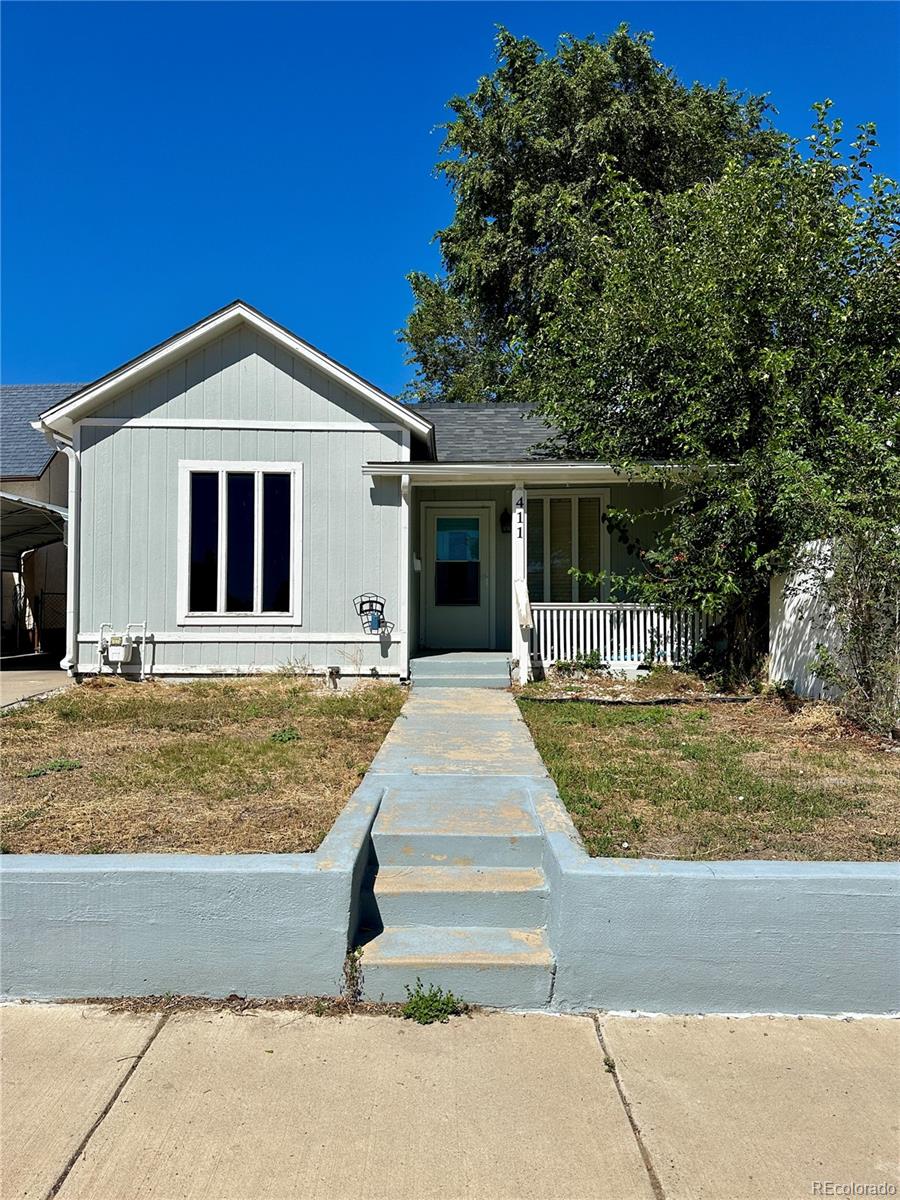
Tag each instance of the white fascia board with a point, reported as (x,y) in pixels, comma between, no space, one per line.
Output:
(54,437)
(559,472)
(63,416)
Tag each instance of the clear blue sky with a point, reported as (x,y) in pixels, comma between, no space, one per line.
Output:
(162,159)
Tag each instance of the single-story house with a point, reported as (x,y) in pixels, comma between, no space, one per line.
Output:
(240,501)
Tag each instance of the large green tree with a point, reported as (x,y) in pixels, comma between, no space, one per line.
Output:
(545,134)
(672,281)
(748,329)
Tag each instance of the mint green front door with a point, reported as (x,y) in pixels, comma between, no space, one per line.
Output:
(457,577)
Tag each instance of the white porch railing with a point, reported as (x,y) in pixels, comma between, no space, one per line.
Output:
(624,635)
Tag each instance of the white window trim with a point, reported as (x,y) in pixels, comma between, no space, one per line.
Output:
(186,467)
(574,496)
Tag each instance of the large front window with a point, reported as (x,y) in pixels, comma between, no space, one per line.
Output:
(240,541)
(565,531)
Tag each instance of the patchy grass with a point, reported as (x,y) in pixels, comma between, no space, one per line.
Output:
(254,765)
(661,682)
(720,781)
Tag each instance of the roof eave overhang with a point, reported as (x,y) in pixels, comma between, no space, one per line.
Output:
(63,417)
(506,472)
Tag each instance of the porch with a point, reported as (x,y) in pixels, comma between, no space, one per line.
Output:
(491,570)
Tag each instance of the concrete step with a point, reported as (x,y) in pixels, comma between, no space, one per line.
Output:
(461,662)
(500,967)
(461,681)
(471,822)
(460,669)
(510,896)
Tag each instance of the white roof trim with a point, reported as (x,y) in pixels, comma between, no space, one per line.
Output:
(506,472)
(63,416)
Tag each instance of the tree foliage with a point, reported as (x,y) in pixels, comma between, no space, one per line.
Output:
(673,282)
(541,135)
(855,581)
(746,328)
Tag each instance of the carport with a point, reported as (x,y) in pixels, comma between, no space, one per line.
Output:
(27,525)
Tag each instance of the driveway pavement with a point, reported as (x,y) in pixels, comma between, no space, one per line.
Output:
(25,675)
(271,1105)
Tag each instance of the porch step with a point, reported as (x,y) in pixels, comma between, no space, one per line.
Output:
(460,669)
(468,681)
(502,896)
(469,823)
(505,967)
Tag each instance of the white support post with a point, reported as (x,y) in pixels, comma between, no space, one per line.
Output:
(521,633)
(405,567)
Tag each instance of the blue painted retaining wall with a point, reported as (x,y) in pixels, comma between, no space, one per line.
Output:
(745,936)
(627,934)
(144,924)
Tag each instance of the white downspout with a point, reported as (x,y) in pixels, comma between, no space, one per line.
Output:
(73,528)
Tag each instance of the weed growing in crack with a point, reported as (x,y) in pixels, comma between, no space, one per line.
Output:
(352,984)
(432,1005)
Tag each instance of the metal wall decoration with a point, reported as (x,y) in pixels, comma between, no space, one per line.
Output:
(370,610)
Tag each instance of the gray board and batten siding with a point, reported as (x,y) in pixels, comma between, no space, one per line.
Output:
(351,525)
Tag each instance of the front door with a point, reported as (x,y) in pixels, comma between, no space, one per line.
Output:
(457,565)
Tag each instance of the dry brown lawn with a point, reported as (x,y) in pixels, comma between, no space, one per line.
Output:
(119,767)
(718,781)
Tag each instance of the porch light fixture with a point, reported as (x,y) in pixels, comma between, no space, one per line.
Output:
(506,521)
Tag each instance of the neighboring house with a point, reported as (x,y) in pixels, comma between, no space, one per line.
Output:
(34,487)
(234,492)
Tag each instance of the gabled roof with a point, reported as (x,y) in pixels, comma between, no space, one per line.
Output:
(24,451)
(486,432)
(62,416)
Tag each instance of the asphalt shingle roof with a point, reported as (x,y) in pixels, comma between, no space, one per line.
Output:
(485,432)
(24,452)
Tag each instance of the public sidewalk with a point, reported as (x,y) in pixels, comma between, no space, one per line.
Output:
(266,1106)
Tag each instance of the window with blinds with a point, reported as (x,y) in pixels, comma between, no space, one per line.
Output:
(564,531)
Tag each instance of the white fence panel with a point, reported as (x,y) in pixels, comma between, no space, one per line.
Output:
(623,635)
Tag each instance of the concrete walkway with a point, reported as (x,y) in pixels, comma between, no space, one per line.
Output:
(271,1106)
(455,894)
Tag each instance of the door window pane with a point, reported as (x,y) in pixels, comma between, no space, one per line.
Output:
(204,565)
(457,583)
(588,545)
(536,550)
(239,571)
(457,568)
(276,566)
(560,550)
(457,539)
